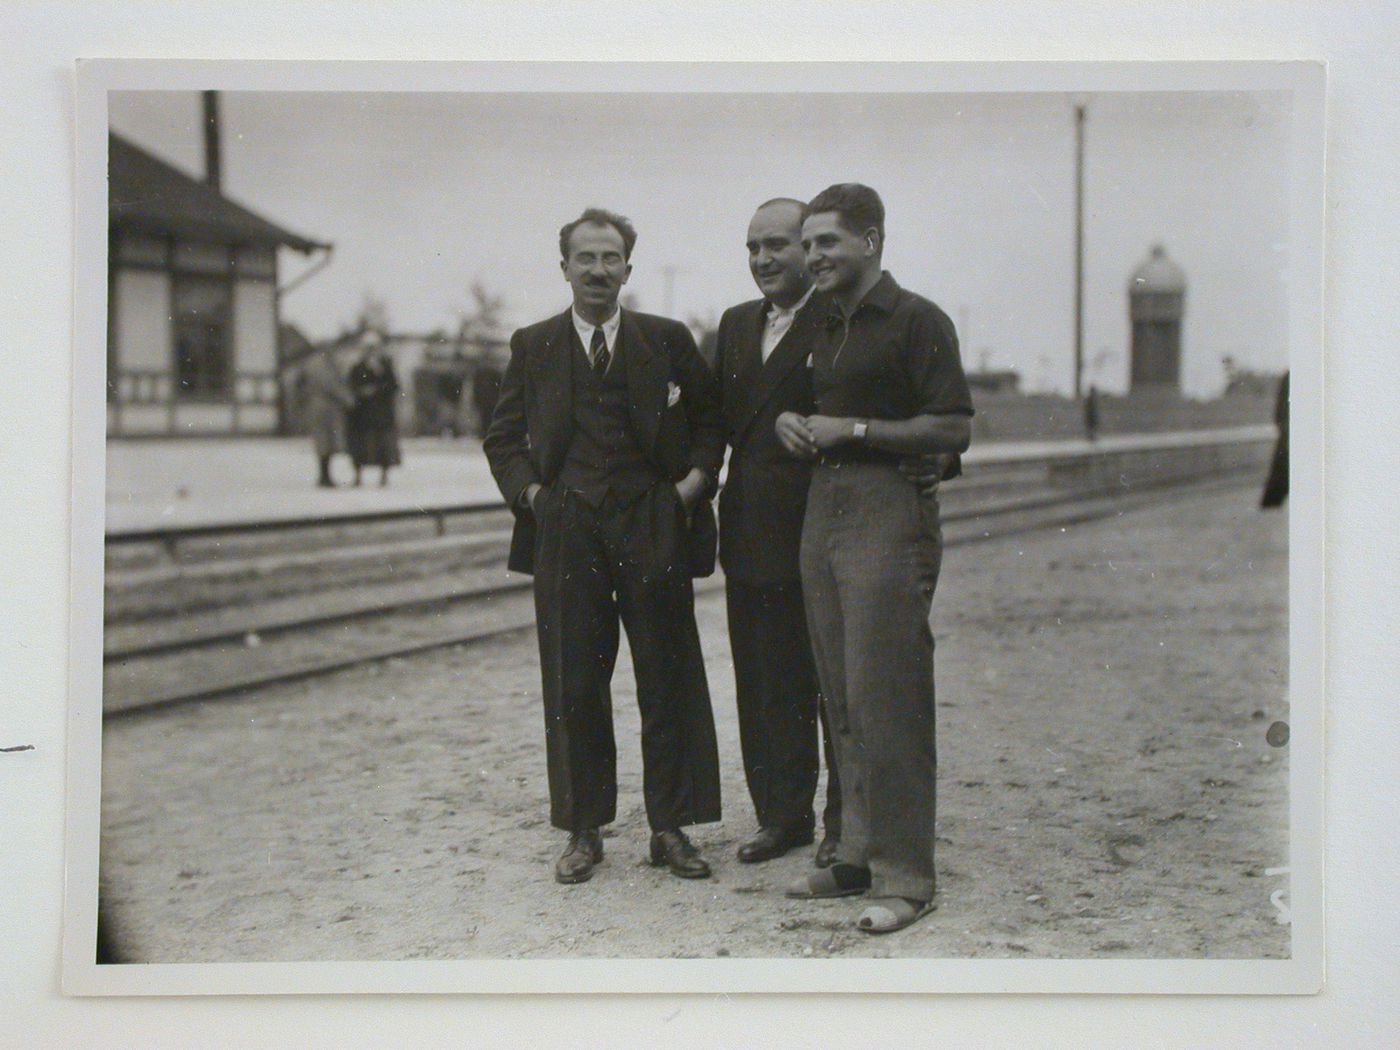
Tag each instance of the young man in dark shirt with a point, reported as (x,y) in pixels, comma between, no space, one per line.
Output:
(888,384)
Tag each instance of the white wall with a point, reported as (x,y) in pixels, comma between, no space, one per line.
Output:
(142,321)
(254,327)
(140,419)
(1362,499)
(203,419)
(257,419)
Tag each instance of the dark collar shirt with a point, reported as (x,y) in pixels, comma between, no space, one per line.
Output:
(894,357)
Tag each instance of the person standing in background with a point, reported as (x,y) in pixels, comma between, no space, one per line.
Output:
(1276,484)
(325,398)
(374,437)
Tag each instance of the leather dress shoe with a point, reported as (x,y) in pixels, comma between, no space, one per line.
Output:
(673,850)
(575,864)
(826,852)
(770,843)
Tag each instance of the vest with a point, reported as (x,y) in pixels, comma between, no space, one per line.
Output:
(603,455)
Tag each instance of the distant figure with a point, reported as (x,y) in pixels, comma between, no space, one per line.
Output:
(1091,414)
(1276,485)
(374,439)
(326,398)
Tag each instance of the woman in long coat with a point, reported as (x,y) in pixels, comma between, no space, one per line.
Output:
(374,438)
(326,398)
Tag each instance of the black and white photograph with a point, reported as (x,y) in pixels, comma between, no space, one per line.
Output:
(731,527)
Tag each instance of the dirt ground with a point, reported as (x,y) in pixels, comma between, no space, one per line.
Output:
(1105,786)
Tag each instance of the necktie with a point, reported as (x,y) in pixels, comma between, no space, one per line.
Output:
(598,350)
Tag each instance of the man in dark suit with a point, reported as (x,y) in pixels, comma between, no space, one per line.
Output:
(606,442)
(764,352)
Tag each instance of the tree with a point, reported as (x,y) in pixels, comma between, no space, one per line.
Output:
(484,320)
(489,305)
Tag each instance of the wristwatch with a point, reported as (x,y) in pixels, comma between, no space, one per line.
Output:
(859,429)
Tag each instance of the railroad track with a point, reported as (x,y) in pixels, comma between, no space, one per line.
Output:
(220,652)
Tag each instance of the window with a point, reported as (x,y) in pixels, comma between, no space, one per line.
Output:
(202,309)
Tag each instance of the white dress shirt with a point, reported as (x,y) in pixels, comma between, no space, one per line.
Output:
(610,327)
(778,323)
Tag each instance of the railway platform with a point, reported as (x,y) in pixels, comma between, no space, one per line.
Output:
(161,483)
(165,483)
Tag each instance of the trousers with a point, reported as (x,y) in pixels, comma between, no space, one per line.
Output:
(598,567)
(779,706)
(871,552)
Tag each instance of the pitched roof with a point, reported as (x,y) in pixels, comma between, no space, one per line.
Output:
(147,194)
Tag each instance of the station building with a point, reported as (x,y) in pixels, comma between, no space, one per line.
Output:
(192,304)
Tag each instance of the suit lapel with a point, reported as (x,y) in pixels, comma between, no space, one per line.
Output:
(648,382)
(744,367)
(791,352)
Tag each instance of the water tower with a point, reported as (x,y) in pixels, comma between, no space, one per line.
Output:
(1156,301)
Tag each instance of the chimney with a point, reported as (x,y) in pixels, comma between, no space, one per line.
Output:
(212,164)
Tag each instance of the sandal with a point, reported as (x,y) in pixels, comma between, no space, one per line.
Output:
(888,914)
(839,880)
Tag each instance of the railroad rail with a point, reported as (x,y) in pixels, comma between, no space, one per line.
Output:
(232,649)
(170,536)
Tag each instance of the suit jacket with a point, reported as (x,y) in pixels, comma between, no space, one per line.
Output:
(533,422)
(765,494)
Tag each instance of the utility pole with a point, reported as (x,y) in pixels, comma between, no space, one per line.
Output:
(1078,248)
(213,161)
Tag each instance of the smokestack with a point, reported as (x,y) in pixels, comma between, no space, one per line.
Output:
(212,163)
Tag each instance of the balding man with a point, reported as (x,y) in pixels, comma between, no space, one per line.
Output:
(764,364)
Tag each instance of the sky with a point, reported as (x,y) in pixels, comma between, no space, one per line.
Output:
(423,194)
